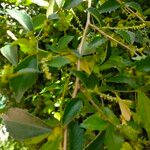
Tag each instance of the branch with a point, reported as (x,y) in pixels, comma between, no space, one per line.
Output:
(80,47)
(113,39)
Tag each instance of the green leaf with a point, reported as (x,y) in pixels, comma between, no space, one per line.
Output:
(60,3)
(76,136)
(110,116)
(22,17)
(22,126)
(113,140)
(38,21)
(129,132)
(143,65)
(93,45)
(54,140)
(143,111)
(135,6)
(58,62)
(94,122)
(95,12)
(109,6)
(122,78)
(71,110)
(10,52)
(128,36)
(27,46)
(84,77)
(50,9)
(73,3)
(64,41)
(26,75)
(42,3)
(97,144)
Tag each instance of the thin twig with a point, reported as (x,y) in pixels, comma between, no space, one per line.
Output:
(111,38)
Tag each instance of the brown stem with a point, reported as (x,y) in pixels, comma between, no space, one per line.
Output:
(76,87)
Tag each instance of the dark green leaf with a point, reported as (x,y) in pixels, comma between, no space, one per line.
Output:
(128,36)
(109,6)
(23,18)
(22,125)
(71,110)
(143,111)
(123,79)
(64,41)
(135,6)
(10,52)
(143,65)
(94,122)
(110,116)
(76,136)
(113,140)
(97,144)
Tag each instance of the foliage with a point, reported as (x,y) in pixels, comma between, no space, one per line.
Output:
(75,74)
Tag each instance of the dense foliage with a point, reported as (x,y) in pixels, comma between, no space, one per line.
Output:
(75,74)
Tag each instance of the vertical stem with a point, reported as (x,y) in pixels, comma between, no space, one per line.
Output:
(76,88)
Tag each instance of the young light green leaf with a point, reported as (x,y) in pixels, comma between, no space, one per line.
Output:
(143,111)
(109,6)
(23,80)
(10,52)
(76,136)
(22,17)
(71,110)
(22,126)
(94,122)
(27,46)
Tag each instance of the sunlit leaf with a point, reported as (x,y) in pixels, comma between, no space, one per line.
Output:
(10,52)
(22,17)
